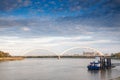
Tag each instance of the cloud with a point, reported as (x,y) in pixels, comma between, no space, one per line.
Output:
(67,26)
(10,43)
(13,22)
(70,22)
(8,5)
(94,7)
(25,29)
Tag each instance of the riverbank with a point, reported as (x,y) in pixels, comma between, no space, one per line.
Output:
(11,58)
(116,78)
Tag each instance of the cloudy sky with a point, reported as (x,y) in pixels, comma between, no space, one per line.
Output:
(57,25)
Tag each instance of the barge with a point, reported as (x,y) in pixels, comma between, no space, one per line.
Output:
(100,63)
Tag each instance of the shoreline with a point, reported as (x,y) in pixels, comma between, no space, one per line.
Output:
(11,58)
(118,78)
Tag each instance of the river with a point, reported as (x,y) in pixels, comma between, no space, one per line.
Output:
(54,69)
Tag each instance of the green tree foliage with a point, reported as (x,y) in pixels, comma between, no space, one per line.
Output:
(4,54)
(117,55)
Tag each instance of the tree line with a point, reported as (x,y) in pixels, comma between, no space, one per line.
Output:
(116,55)
(4,54)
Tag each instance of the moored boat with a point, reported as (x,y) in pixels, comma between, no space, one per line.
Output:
(95,65)
(100,63)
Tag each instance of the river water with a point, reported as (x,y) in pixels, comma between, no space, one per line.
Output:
(53,69)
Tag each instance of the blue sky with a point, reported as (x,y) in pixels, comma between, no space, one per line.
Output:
(59,24)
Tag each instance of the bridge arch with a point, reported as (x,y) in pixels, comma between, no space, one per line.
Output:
(30,50)
(100,53)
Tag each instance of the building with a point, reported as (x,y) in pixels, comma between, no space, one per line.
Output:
(90,54)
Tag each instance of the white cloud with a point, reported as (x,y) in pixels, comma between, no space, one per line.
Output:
(25,29)
(16,45)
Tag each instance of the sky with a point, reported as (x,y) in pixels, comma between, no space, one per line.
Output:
(57,25)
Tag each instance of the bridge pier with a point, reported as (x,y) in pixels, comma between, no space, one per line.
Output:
(58,57)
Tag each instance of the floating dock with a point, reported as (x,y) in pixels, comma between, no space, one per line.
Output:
(101,63)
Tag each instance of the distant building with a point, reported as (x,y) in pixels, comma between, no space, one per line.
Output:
(76,54)
(90,54)
(107,54)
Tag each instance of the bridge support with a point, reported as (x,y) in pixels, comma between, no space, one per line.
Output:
(58,57)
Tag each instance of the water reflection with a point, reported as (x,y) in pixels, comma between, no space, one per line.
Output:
(44,69)
(100,74)
(94,74)
(103,74)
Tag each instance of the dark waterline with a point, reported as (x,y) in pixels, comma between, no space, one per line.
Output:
(53,69)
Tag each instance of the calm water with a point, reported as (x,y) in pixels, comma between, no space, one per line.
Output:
(53,69)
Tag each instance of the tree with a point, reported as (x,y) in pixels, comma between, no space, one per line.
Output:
(117,55)
(4,54)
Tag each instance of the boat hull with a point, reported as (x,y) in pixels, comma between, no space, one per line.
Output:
(93,67)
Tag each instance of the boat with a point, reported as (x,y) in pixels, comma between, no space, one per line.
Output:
(101,63)
(95,65)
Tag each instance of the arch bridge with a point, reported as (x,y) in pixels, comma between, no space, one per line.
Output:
(61,54)
(97,52)
(30,50)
